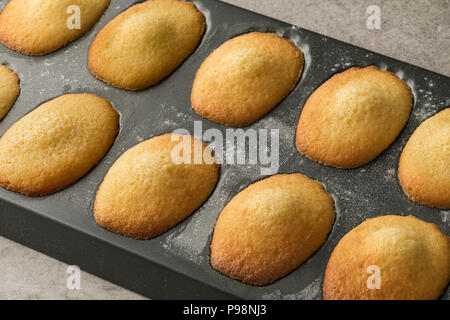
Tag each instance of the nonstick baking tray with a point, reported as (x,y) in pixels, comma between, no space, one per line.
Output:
(176,264)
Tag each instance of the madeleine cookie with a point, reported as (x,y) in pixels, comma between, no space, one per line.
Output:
(245,78)
(146,43)
(424,167)
(9,89)
(270,228)
(149,189)
(56,144)
(389,258)
(38,27)
(353,117)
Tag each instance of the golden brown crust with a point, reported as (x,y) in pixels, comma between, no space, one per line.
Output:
(245,78)
(424,167)
(38,27)
(270,228)
(413,257)
(56,144)
(146,192)
(9,89)
(353,117)
(146,43)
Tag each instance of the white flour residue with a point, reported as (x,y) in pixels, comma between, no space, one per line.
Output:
(412,86)
(276,295)
(310,292)
(140,138)
(169,123)
(400,74)
(390,175)
(425,111)
(174,120)
(344,63)
(286,136)
(192,240)
(207,14)
(182,246)
(429,106)
(294,36)
(383,66)
(445,216)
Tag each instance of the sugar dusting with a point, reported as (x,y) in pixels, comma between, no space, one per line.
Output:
(445,216)
(429,103)
(294,35)
(390,175)
(191,241)
(311,292)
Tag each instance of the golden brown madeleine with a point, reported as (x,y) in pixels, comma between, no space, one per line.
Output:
(424,167)
(410,257)
(56,144)
(9,89)
(353,117)
(271,227)
(148,191)
(146,43)
(38,27)
(245,78)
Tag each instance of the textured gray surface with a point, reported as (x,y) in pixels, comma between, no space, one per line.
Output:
(415,32)
(27,274)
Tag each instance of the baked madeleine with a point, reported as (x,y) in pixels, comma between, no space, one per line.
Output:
(57,143)
(353,117)
(424,167)
(145,43)
(38,27)
(389,258)
(9,89)
(245,78)
(155,185)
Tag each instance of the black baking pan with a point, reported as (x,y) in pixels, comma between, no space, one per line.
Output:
(176,264)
